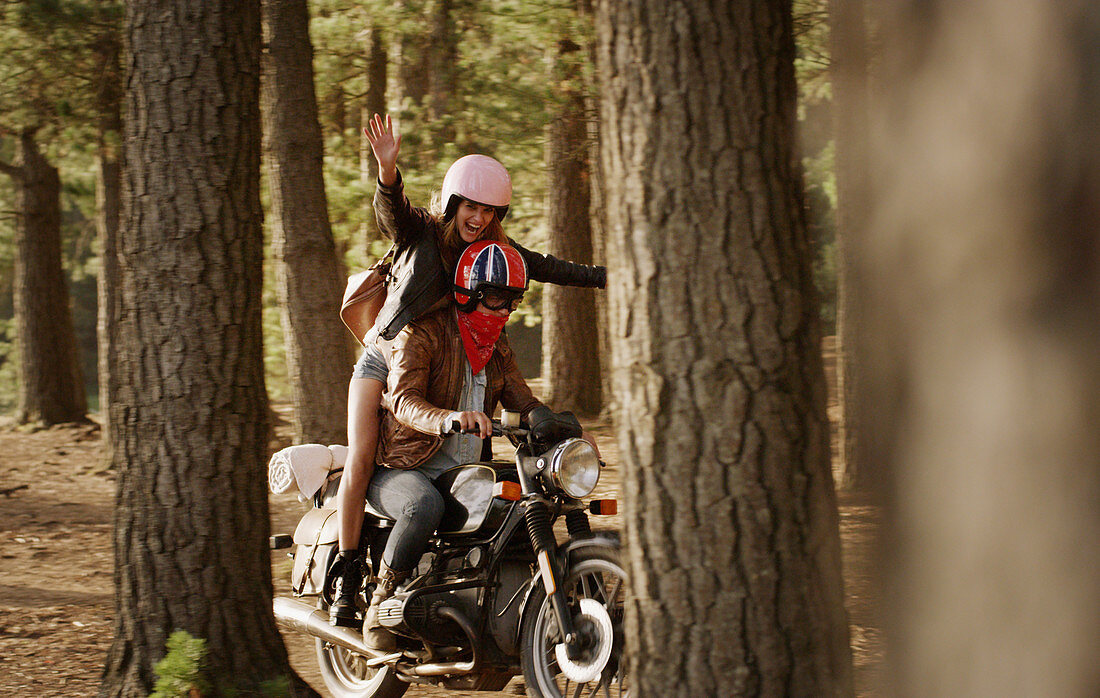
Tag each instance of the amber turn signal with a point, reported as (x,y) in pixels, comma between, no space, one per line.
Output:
(507,490)
(603,507)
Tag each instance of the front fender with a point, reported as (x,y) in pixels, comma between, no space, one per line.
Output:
(607,539)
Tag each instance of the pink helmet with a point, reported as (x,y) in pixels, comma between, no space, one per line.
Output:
(478,178)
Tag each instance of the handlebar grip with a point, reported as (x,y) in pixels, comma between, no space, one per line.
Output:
(456,428)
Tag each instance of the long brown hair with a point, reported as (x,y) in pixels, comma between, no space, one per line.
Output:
(451,243)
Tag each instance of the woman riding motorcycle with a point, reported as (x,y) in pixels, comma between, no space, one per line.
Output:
(476,194)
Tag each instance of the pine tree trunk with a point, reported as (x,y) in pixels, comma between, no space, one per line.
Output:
(983,345)
(570,349)
(375,103)
(309,282)
(442,60)
(850,61)
(51,388)
(597,218)
(190,424)
(108,209)
(730,514)
(409,67)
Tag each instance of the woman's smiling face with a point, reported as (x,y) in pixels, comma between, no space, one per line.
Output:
(471,219)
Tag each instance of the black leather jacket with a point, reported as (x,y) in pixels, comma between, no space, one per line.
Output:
(418,279)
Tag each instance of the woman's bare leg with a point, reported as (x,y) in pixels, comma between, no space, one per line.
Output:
(364,400)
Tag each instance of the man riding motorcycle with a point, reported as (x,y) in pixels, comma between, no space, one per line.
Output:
(452,366)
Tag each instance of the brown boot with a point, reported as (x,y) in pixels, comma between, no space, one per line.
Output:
(374,635)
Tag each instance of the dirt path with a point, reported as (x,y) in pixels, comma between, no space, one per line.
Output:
(56,593)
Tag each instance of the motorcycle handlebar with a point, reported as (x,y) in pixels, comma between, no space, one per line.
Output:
(456,428)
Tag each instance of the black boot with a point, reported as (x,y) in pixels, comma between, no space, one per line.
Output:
(344,610)
(374,635)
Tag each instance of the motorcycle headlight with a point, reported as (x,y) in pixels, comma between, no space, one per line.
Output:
(575,468)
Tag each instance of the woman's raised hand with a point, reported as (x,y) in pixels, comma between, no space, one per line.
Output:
(385,146)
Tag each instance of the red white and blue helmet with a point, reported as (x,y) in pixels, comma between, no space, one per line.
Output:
(489,268)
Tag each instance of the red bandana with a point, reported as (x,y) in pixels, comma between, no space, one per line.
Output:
(479,335)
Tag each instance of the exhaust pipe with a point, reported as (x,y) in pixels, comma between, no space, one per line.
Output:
(450,668)
(300,617)
(295,615)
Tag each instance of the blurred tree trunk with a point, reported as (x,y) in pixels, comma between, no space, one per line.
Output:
(597,218)
(731,518)
(108,51)
(409,68)
(190,422)
(309,281)
(339,101)
(849,66)
(443,70)
(108,208)
(570,349)
(51,387)
(983,345)
(375,103)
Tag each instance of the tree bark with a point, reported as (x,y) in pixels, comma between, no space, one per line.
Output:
(51,387)
(850,61)
(375,103)
(983,345)
(409,67)
(309,282)
(442,75)
(730,514)
(190,423)
(570,349)
(108,309)
(108,211)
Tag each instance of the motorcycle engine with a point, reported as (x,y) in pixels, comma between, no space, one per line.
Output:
(416,613)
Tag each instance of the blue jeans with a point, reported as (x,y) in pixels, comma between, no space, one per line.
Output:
(415,505)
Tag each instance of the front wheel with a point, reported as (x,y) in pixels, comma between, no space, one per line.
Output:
(595,588)
(347,675)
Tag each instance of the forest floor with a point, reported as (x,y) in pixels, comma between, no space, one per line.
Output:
(56,592)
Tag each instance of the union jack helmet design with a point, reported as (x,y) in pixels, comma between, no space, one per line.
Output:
(488,267)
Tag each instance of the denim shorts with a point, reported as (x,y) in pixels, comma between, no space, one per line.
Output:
(374,363)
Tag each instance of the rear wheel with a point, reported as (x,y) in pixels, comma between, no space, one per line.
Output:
(347,675)
(595,589)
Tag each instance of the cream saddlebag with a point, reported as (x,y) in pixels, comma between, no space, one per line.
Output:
(316,541)
(312,471)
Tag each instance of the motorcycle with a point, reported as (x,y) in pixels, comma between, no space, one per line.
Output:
(496,594)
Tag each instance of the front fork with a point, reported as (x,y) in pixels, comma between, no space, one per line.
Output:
(541,530)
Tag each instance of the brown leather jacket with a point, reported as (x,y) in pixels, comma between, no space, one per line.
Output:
(425,385)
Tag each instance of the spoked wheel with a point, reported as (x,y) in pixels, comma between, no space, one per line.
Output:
(595,587)
(347,675)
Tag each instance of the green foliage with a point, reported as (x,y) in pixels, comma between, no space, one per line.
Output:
(181,673)
(815,97)
(54,63)
(52,74)
(181,669)
(820,183)
(58,68)
(275,688)
(9,366)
